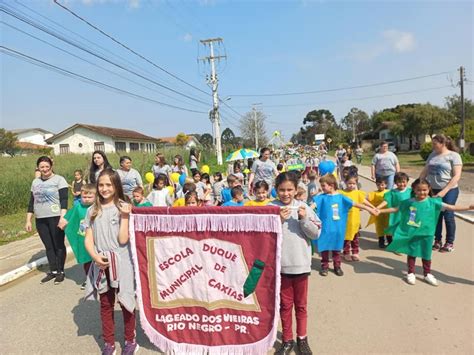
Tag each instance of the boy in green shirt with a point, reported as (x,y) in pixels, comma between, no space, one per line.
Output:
(139,199)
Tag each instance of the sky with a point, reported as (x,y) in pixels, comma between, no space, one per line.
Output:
(271,47)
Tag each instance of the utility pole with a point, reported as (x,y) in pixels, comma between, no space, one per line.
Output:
(255,119)
(213,81)
(463,123)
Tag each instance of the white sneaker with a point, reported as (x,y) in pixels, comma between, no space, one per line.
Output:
(429,278)
(411,279)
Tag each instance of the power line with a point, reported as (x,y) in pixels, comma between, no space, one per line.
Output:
(89,62)
(128,48)
(65,72)
(62,38)
(344,88)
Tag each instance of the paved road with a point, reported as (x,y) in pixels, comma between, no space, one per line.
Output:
(368,310)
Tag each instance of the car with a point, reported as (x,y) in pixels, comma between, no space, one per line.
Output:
(391,148)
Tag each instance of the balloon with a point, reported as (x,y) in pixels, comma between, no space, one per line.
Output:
(182,179)
(175,177)
(246,171)
(149,177)
(170,189)
(205,169)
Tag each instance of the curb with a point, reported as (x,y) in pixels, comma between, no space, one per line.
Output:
(457,214)
(26,269)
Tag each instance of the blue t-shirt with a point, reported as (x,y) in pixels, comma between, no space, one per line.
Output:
(332,210)
(226,195)
(232,204)
(326,167)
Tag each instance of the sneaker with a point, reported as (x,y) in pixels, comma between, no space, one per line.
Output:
(347,257)
(285,348)
(429,278)
(411,279)
(437,245)
(130,348)
(49,276)
(303,346)
(355,257)
(59,278)
(108,349)
(381,242)
(83,286)
(447,248)
(324,272)
(338,271)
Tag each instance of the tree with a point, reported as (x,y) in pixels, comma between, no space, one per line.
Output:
(453,105)
(206,140)
(228,137)
(318,122)
(425,119)
(249,126)
(8,142)
(355,123)
(181,139)
(378,117)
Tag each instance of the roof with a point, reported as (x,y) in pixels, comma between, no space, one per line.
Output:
(172,140)
(30,146)
(23,130)
(116,133)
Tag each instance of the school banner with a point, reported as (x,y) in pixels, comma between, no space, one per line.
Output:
(208,278)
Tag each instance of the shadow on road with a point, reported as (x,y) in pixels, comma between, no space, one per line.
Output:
(36,256)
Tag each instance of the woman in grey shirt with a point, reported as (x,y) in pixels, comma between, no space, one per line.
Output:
(129,177)
(48,203)
(385,165)
(443,171)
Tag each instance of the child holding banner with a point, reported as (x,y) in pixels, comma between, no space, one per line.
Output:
(300,225)
(111,274)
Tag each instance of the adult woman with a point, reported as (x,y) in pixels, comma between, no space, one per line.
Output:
(161,166)
(385,165)
(340,151)
(263,169)
(48,203)
(129,177)
(179,166)
(99,162)
(443,171)
(193,160)
(359,152)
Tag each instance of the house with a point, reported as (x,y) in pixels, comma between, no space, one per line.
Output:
(192,142)
(85,138)
(36,136)
(403,142)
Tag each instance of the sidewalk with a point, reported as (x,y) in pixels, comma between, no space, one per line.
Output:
(465,198)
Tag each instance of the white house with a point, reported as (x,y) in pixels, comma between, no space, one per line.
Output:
(405,143)
(33,135)
(85,138)
(171,141)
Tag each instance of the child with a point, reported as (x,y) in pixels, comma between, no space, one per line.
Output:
(237,193)
(381,221)
(76,186)
(300,225)
(394,197)
(237,171)
(333,209)
(191,199)
(217,188)
(207,197)
(414,232)
(312,187)
(201,187)
(111,274)
(301,194)
(160,196)
(232,181)
(261,195)
(73,223)
(351,239)
(139,199)
(187,188)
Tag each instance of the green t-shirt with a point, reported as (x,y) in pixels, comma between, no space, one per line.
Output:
(146,203)
(76,232)
(415,231)
(394,198)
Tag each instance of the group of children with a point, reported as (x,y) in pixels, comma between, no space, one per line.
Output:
(321,217)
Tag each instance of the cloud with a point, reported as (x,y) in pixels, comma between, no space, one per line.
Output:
(400,41)
(188,37)
(391,41)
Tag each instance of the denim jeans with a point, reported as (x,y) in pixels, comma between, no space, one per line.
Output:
(389,180)
(450,198)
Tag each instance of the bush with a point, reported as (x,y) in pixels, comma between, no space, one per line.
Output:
(426,150)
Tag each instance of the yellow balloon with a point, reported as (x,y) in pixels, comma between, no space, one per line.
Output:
(205,169)
(175,177)
(170,189)
(246,171)
(149,177)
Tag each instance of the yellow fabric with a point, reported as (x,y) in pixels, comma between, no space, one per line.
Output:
(353,218)
(381,222)
(179,202)
(257,203)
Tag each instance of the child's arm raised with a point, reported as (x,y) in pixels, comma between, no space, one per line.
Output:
(125,209)
(457,208)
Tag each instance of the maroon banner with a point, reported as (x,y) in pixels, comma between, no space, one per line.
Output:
(208,278)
